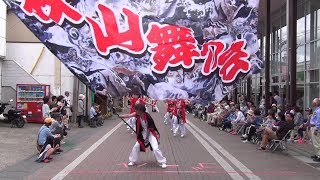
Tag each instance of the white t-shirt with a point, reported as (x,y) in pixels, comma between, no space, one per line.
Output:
(45,111)
(240,117)
(278,99)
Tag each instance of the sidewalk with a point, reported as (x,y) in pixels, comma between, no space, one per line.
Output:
(18,147)
(303,152)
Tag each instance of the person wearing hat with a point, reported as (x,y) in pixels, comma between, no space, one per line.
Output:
(254,122)
(46,142)
(298,120)
(80,110)
(68,105)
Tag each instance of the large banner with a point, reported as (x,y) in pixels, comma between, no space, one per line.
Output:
(166,49)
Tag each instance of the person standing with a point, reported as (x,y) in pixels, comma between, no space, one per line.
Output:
(63,111)
(54,102)
(68,105)
(169,107)
(46,111)
(80,110)
(131,121)
(147,135)
(181,118)
(315,128)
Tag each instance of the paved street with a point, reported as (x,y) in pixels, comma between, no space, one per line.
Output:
(205,153)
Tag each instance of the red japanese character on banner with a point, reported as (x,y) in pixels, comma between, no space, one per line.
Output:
(233,61)
(107,34)
(171,46)
(210,52)
(230,62)
(47,11)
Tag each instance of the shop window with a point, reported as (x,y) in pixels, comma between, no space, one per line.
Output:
(312,75)
(312,55)
(300,96)
(312,91)
(300,77)
(300,54)
(275,79)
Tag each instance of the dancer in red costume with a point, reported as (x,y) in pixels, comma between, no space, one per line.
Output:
(147,134)
(180,122)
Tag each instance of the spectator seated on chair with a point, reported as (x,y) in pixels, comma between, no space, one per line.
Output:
(229,121)
(305,126)
(218,118)
(298,121)
(223,115)
(197,111)
(93,116)
(279,130)
(239,121)
(210,111)
(270,120)
(217,111)
(203,114)
(254,122)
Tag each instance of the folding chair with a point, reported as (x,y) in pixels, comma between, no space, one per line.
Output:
(240,127)
(275,143)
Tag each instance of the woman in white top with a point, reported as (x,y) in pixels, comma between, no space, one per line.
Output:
(46,109)
(240,119)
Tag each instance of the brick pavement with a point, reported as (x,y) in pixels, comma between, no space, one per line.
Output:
(186,157)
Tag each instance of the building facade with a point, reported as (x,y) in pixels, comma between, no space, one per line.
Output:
(307,54)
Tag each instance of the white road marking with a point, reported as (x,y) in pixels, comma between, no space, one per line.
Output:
(225,153)
(62,174)
(225,165)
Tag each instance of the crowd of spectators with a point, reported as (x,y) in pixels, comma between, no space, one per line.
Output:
(57,113)
(246,119)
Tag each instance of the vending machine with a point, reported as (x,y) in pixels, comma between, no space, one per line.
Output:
(30,100)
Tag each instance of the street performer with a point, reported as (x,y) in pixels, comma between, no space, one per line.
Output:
(147,135)
(131,121)
(170,107)
(181,121)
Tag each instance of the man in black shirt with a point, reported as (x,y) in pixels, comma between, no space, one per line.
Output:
(279,130)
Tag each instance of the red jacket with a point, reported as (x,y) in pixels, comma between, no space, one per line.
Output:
(169,104)
(132,104)
(182,110)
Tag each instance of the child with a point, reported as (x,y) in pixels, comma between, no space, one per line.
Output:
(147,135)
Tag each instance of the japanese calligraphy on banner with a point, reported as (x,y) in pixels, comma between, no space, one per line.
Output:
(166,49)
